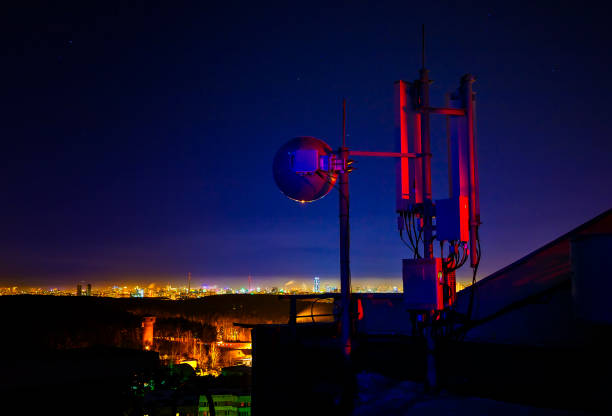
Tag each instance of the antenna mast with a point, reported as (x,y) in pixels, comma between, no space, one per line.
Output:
(344,122)
(423,48)
(423,98)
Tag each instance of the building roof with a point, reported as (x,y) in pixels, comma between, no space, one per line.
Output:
(543,270)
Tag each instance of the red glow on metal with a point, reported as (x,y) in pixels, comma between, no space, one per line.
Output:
(466,84)
(418,163)
(440,295)
(443,111)
(347,348)
(403,130)
(359,310)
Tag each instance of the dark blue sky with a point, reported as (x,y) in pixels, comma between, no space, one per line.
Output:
(138,137)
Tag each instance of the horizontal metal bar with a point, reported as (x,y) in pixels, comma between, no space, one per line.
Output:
(382,154)
(443,111)
(314,316)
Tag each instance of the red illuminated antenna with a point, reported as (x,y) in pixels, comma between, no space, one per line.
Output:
(250,282)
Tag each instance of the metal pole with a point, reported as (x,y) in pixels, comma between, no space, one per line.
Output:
(345,270)
(427,210)
(426,149)
(344,122)
(447,100)
(423,47)
(349,381)
(383,154)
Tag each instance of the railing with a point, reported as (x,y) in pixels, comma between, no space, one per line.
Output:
(293,316)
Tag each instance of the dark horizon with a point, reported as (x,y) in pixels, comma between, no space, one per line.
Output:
(140,136)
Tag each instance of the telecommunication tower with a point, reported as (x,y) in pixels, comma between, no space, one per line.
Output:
(306,169)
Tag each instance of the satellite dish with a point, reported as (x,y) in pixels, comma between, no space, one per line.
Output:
(302,169)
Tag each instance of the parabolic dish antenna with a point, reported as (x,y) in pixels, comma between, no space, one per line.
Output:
(302,169)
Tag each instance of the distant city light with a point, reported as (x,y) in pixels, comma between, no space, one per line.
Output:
(149,290)
(317,285)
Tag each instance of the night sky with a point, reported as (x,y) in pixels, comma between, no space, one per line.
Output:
(138,137)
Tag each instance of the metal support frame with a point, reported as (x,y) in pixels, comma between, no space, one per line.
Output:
(412,123)
(385,154)
(422,134)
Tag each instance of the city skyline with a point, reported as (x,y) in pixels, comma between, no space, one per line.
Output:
(221,283)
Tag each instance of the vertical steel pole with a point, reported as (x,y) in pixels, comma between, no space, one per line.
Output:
(426,149)
(344,122)
(345,269)
(447,104)
(427,209)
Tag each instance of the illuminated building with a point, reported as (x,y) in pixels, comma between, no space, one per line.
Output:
(147,334)
(79,291)
(331,289)
(88,293)
(317,285)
